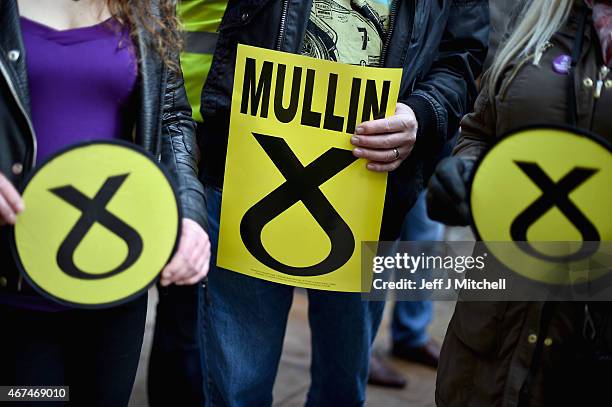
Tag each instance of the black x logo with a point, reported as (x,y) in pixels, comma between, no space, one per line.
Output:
(555,195)
(302,184)
(94,211)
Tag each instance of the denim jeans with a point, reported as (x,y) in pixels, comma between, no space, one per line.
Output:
(411,318)
(245,326)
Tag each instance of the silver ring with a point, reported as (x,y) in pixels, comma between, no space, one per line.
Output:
(397,154)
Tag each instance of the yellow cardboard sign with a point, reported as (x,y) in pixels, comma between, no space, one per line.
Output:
(101,222)
(296,203)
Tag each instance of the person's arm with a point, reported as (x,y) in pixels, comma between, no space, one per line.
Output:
(446,93)
(179,149)
(478,131)
(447,194)
(180,154)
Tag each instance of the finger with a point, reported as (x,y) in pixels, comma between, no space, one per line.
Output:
(191,257)
(178,278)
(201,266)
(7,214)
(196,253)
(438,196)
(445,206)
(207,258)
(192,268)
(391,124)
(382,141)
(442,207)
(10,194)
(384,167)
(451,179)
(194,275)
(194,271)
(383,156)
(465,214)
(438,192)
(196,279)
(200,272)
(173,270)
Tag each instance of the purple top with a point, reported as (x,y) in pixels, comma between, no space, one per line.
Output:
(81,82)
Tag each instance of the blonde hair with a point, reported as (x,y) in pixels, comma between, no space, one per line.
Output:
(535,25)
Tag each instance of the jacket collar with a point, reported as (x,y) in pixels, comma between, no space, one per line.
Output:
(11,43)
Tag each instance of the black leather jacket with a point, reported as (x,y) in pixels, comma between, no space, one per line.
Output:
(164,126)
(440,44)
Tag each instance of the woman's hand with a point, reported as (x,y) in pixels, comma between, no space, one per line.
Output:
(386,143)
(448,191)
(11,203)
(191,262)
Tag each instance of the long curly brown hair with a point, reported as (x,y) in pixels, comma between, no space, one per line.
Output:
(159,19)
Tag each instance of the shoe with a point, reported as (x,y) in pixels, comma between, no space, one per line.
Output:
(427,354)
(383,374)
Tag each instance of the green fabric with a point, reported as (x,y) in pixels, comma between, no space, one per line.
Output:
(198,16)
(347,31)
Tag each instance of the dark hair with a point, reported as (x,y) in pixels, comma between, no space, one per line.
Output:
(158,17)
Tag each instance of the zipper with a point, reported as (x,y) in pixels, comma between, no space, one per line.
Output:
(599,86)
(392,12)
(540,52)
(11,87)
(598,91)
(537,57)
(283,24)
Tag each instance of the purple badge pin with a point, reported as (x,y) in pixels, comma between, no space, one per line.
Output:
(562,64)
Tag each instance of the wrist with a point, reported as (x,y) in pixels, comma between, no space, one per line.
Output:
(425,115)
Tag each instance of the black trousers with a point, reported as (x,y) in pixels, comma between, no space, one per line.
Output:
(177,355)
(94,352)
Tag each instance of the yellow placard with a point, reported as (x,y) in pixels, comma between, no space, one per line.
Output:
(296,203)
(549,190)
(101,221)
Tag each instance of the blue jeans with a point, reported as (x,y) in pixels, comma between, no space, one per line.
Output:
(245,326)
(411,318)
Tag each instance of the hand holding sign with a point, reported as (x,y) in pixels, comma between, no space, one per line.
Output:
(191,261)
(297,202)
(386,143)
(539,187)
(11,203)
(102,221)
(448,191)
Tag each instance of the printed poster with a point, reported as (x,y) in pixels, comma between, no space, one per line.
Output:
(296,203)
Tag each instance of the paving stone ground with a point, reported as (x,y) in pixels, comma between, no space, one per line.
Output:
(294,378)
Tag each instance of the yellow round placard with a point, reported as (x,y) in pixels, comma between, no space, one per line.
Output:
(101,221)
(548,190)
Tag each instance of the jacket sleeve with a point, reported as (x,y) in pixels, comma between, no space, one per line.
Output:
(446,93)
(477,129)
(179,149)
